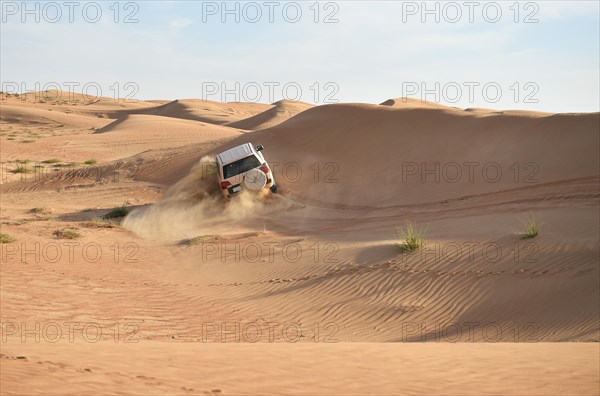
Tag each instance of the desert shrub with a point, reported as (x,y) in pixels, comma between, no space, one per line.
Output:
(200,239)
(5,238)
(41,210)
(21,169)
(98,222)
(66,233)
(52,161)
(119,211)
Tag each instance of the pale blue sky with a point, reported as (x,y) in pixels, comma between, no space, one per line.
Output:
(375,51)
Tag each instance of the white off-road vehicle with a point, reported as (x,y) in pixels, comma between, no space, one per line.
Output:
(244,167)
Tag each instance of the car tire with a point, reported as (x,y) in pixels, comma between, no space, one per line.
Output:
(273,188)
(255,180)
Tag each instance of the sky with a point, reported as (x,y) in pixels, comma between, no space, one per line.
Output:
(537,55)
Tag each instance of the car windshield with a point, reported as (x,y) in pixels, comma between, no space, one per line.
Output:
(240,166)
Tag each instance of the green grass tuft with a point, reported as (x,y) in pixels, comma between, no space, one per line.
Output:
(412,238)
(530,227)
(90,162)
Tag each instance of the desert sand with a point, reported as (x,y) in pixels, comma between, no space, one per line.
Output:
(305,291)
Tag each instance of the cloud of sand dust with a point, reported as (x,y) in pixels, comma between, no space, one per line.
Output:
(195,206)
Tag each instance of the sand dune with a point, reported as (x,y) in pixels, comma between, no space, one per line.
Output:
(75,103)
(203,110)
(152,124)
(322,254)
(413,103)
(20,115)
(413,155)
(281,111)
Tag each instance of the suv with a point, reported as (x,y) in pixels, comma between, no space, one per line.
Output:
(244,167)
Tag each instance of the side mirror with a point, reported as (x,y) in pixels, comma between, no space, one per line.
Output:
(259,148)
